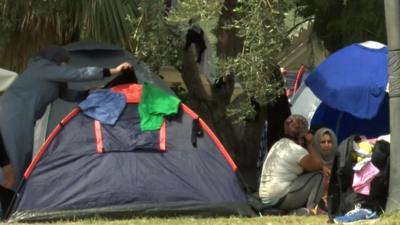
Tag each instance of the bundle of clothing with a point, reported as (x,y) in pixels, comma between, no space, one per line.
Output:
(359,180)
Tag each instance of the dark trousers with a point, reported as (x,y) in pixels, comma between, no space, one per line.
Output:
(6,196)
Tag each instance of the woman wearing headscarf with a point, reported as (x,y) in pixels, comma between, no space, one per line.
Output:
(325,143)
(26,100)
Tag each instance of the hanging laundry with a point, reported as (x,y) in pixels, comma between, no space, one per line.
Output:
(362,179)
(362,150)
(154,105)
(104,105)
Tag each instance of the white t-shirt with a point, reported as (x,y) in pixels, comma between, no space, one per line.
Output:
(280,168)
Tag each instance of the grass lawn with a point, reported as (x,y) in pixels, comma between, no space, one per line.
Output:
(268,220)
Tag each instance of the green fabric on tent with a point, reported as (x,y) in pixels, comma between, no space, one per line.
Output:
(154,105)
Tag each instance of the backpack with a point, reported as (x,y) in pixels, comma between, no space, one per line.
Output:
(341,197)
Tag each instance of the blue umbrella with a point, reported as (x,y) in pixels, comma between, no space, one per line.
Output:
(345,124)
(351,83)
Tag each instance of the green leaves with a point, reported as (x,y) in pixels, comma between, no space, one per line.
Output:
(103,20)
(29,25)
(340,23)
(260,24)
(154,35)
(151,38)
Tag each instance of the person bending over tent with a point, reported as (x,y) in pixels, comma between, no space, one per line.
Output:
(283,184)
(26,99)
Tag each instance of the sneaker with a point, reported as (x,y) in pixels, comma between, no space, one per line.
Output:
(357,215)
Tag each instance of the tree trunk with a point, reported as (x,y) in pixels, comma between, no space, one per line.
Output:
(392,11)
(207,100)
(209,103)
(245,147)
(229,44)
(249,148)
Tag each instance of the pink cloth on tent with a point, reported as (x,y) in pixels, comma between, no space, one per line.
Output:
(362,179)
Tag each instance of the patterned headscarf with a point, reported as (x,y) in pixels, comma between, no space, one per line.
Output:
(327,158)
(301,127)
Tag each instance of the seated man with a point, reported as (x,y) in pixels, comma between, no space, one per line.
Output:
(291,176)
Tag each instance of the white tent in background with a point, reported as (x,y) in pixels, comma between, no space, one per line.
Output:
(304,102)
(6,78)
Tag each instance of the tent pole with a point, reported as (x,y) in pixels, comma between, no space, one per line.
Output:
(338,122)
(392,15)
